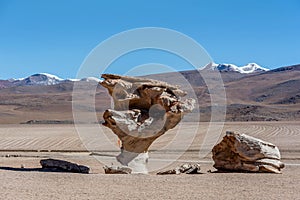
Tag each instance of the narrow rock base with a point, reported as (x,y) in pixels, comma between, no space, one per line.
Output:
(137,162)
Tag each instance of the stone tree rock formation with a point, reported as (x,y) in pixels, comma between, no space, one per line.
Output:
(144,109)
(247,154)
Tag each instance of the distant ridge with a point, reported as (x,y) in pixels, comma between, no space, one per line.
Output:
(287,68)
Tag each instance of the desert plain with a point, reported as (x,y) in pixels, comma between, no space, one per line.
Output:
(22,146)
(268,111)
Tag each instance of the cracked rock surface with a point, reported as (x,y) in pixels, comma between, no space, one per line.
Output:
(240,152)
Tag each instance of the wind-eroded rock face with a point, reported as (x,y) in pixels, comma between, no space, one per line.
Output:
(245,153)
(144,109)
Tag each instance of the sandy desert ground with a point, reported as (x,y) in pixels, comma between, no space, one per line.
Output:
(27,144)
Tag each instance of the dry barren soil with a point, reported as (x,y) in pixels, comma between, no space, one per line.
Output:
(26,145)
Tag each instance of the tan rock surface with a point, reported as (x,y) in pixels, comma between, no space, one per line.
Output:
(240,152)
(144,110)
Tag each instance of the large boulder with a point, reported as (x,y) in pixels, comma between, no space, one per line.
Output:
(240,152)
(144,109)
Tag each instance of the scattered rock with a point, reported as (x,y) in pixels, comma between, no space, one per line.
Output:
(183,169)
(48,122)
(64,166)
(190,169)
(11,155)
(117,170)
(243,153)
(144,109)
(168,172)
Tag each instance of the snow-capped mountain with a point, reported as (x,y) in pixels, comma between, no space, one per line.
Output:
(38,79)
(252,68)
(247,69)
(41,79)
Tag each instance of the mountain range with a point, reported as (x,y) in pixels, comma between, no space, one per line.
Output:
(49,79)
(40,79)
(255,95)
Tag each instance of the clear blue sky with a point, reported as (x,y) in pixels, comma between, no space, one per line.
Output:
(55,36)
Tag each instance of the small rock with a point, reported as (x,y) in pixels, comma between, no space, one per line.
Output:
(171,171)
(183,169)
(190,169)
(65,166)
(117,170)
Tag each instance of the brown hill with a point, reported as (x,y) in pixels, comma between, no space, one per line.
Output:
(38,102)
(272,95)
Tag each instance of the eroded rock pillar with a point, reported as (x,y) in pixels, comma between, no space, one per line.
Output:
(144,109)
